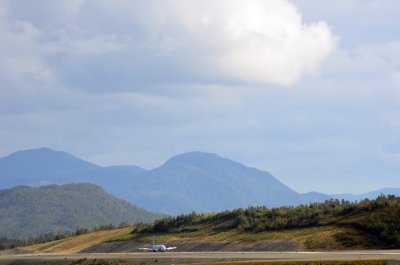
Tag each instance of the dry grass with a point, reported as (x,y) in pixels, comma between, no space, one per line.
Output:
(311,238)
(77,243)
(325,262)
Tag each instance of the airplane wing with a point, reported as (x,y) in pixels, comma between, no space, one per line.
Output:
(147,249)
(171,248)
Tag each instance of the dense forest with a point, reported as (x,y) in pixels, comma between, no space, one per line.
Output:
(379,218)
(28,212)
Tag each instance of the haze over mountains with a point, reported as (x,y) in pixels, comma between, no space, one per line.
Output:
(45,166)
(195,181)
(206,182)
(28,211)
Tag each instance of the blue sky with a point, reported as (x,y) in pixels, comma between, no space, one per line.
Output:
(307,90)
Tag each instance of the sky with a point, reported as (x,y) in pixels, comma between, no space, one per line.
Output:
(306,90)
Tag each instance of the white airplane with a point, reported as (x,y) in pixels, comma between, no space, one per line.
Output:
(157,247)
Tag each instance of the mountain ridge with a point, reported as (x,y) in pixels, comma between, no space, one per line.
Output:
(226,183)
(194,181)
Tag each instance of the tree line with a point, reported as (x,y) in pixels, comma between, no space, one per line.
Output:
(379,217)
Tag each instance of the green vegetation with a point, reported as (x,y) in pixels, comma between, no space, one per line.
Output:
(333,224)
(378,220)
(122,237)
(27,212)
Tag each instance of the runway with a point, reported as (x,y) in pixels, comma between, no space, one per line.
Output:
(188,257)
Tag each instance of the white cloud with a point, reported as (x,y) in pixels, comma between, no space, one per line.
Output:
(175,41)
(20,54)
(248,41)
(266,42)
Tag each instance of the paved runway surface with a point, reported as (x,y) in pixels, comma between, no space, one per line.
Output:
(218,256)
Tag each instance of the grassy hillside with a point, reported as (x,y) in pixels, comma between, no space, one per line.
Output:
(321,226)
(28,212)
(77,243)
(332,224)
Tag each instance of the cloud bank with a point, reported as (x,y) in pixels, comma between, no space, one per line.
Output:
(106,46)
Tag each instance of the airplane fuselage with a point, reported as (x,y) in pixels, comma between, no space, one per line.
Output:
(157,247)
(160,248)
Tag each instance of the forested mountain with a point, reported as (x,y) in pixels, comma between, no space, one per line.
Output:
(45,166)
(206,182)
(195,181)
(27,211)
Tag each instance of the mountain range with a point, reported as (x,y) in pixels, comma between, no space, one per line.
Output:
(30,211)
(194,181)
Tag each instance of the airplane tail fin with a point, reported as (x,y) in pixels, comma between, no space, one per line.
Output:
(153,241)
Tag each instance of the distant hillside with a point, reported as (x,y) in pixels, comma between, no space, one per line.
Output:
(27,211)
(311,197)
(45,166)
(195,181)
(206,182)
(368,195)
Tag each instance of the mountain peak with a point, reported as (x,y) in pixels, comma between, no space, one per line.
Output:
(40,153)
(203,161)
(45,155)
(40,150)
(196,154)
(206,182)
(43,165)
(193,156)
